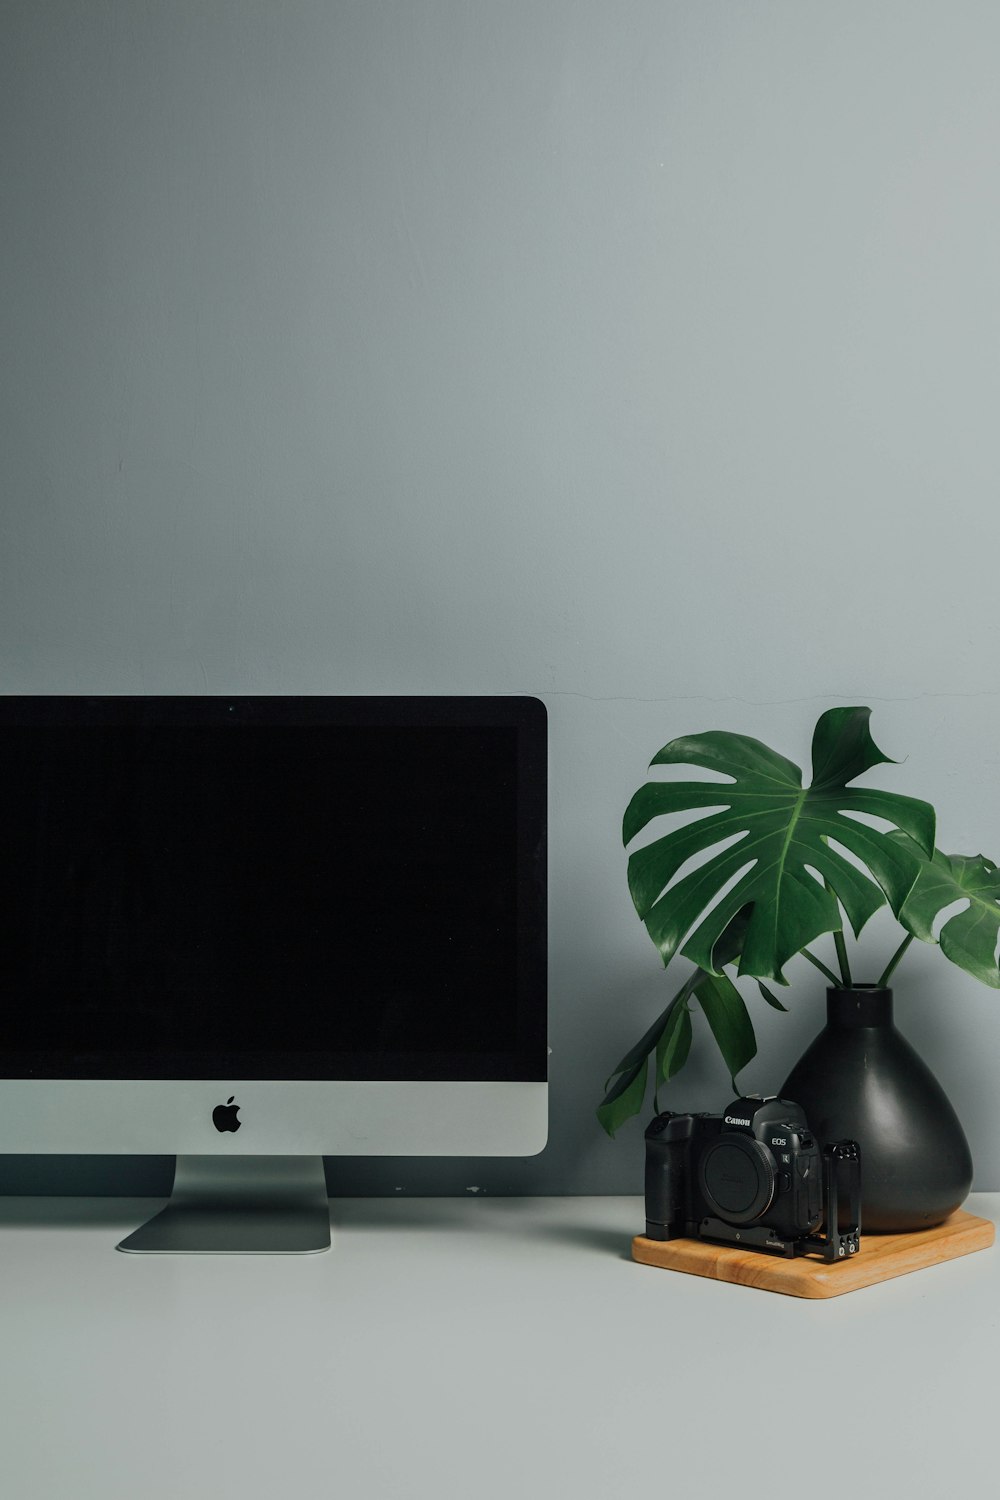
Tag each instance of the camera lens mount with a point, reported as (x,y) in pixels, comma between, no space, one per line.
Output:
(736,1175)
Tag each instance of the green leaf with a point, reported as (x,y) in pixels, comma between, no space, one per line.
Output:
(729,1019)
(625,1099)
(646,1043)
(771,999)
(730,944)
(842,747)
(675,1042)
(782,832)
(969,937)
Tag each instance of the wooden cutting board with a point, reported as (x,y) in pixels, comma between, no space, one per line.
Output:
(881,1257)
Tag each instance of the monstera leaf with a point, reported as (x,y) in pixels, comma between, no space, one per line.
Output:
(671,1034)
(969,937)
(782,832)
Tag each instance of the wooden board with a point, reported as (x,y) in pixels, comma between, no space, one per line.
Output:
(881,1257)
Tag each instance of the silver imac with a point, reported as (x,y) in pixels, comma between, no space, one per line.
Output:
(252,932)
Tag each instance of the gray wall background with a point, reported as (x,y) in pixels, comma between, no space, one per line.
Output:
(641,356)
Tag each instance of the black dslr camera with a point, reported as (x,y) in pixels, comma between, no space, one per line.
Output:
(754,1177)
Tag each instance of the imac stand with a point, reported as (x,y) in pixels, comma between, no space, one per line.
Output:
(240,1205)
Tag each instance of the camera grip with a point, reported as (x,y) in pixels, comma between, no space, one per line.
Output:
(666,1176)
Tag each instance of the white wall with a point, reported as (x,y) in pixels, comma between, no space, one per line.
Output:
(642,356)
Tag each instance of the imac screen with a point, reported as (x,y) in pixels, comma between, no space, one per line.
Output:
(304,888)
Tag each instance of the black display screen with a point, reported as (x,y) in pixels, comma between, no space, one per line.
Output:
(272,888)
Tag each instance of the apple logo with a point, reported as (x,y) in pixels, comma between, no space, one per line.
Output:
(224,1115)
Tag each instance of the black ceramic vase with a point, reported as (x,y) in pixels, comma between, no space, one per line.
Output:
(862,1080)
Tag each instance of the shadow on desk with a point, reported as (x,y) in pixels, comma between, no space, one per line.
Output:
(585,1227)
(581,1227)
(74,1213)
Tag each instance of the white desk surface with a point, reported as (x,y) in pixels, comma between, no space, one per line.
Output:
(475,1347)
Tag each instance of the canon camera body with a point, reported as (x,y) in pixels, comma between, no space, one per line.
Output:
(755,1176)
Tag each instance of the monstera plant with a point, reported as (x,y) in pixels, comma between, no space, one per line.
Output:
(778,881)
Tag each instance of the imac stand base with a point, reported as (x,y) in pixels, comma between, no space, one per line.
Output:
(240,1205)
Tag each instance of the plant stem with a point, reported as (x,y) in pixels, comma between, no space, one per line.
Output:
(841,946)
(828,972)
(894,960)
(845,968)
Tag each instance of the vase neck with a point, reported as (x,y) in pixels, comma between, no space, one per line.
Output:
(864,1005)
